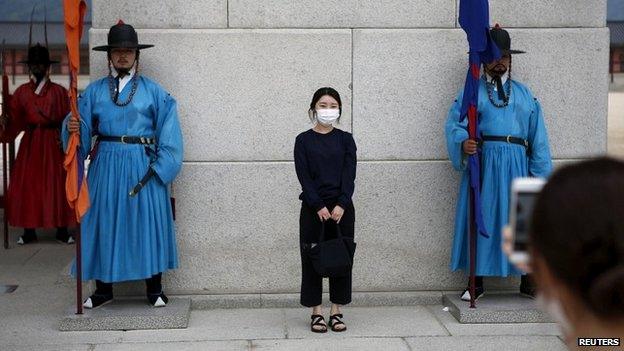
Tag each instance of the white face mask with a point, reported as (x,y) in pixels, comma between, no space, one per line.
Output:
(327,116)
(554,309)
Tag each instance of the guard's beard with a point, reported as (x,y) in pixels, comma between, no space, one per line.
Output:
(123,71)
(498,70)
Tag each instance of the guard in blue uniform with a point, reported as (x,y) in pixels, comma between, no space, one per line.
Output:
(128,232)
(513,143)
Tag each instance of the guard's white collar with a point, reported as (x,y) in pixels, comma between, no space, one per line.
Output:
(126,79)
(504,79)
(41,85)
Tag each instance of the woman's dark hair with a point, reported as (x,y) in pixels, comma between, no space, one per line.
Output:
(578,229)
(322,92)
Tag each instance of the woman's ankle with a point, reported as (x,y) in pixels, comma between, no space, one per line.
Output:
(317,310)
(335,309)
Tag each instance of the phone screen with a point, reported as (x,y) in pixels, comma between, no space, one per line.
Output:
(524,212)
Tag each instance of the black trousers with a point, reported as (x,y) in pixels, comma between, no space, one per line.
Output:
(153,286)
(311,282)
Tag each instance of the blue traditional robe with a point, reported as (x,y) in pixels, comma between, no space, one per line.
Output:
(123,237)
(501,162)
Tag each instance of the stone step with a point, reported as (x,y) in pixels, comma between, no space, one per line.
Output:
(130,314)
(497,307)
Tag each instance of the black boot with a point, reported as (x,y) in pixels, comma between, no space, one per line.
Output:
(62,236)
(479,290)
(103,294)
(155,295)
(29,236)
(527,288)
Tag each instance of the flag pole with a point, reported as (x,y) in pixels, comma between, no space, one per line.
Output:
(75,186)
(5,153)
(473,251)
(74,85)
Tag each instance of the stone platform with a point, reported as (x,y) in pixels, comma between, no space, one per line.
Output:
(130,314)
(495,308)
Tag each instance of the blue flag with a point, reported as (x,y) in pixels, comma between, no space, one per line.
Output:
(474,18)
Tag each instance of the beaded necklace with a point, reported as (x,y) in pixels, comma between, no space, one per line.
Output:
(111,87)
(490,90)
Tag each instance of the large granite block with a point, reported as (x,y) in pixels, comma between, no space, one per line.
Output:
(404,82)
(243,94)
(341,14)
(161,14)
(548,13)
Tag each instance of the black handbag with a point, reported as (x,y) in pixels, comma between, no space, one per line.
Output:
(333,258)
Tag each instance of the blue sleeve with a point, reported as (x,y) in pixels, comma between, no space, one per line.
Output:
(456,133)
(169,150)
(310,193)
(347,185)
(86,124)
(540,161)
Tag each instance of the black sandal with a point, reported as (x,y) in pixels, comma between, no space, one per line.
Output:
(335,320)
(318,320)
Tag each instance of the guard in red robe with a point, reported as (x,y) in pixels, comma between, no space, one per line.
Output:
(36,195)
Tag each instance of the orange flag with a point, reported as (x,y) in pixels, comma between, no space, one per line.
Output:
(75,185)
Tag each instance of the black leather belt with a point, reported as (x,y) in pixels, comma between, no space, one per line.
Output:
(128,139)
(506,139)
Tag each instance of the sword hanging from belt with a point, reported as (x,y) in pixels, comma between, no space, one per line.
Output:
(150,173)
(145,141)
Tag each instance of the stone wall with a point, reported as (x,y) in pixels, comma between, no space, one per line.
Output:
(243,72)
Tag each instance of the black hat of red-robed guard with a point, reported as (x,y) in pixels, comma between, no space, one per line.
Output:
(122,36)
(38,54)
(502,39)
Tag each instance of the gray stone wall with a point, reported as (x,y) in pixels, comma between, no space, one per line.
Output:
(243,72)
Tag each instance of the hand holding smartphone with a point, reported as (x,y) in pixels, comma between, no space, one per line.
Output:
(524,191)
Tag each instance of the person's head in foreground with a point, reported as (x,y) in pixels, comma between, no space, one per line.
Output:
(577,249)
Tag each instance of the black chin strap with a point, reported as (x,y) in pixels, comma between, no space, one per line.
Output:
(499,87)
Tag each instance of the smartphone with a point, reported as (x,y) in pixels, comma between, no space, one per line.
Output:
(524,191)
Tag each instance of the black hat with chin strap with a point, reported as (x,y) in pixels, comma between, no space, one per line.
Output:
(502,39)
(122,36)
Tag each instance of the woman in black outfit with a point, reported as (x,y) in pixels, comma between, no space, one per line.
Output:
(325,161)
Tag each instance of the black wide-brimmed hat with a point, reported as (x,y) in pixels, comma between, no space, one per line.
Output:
(502,39)
(38,54)
(123,36)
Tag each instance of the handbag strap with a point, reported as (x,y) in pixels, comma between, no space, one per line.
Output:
(322,236)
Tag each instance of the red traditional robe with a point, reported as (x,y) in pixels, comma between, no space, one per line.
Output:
(36,195)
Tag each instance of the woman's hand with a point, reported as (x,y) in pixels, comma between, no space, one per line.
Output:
(323,214)
(73,126)
(470,147)
(337,213)
(508,249)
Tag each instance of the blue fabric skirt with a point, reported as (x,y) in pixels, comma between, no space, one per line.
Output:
(126,238)
(500,164)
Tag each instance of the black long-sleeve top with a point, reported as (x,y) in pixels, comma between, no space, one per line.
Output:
(325,165)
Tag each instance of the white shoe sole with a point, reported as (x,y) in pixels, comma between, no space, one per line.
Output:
(466,296)
(160,303)
(88,304)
